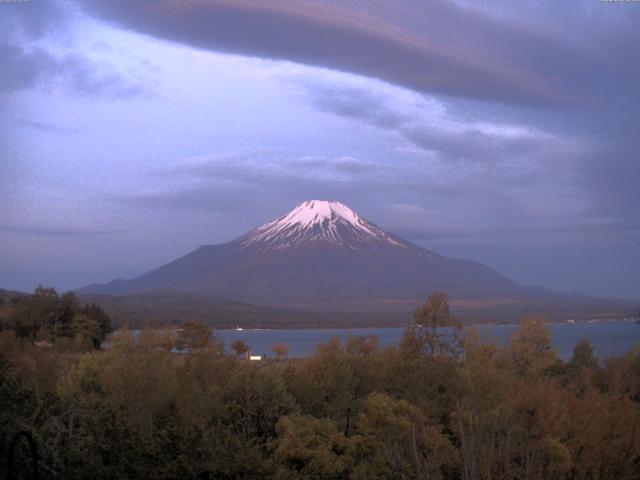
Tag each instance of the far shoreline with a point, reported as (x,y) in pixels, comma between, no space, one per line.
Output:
(375,326)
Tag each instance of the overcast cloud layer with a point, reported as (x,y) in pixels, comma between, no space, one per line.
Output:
(506,134)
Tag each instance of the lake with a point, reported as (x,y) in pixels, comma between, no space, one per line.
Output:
(609,338)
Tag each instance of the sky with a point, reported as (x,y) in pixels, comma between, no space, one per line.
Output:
(503,132)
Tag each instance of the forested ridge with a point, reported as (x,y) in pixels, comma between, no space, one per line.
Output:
(443,404)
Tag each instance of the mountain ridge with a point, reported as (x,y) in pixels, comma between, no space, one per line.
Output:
(323,252)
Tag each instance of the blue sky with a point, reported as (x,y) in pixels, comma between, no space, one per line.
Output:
(133,132)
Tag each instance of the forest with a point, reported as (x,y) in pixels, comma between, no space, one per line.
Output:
(443,404)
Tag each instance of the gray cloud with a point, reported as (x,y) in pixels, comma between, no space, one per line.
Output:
(84,77)
(532,55)
(588,156)
(576,227)
(20,69)
(356,103)
(348,39)
(44,126)
(249,185)
(48,231)
(266,183)
(76,73)
(465,140)
(31,19)
(27,64)
(268,167)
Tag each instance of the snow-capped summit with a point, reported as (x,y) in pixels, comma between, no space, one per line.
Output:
(318,221)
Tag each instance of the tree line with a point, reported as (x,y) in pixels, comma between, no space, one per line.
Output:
(50,318)
(440,405)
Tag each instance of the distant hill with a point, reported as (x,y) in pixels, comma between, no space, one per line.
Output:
(158,308)
(6,295)
(161,308)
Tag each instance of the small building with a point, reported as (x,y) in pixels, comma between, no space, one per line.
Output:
(255,358)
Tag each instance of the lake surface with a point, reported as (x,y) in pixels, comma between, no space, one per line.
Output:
(609,338)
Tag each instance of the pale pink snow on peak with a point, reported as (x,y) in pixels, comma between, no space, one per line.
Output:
(314,212)
(318,221)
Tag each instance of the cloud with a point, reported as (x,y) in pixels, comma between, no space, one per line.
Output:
(426,124)
(252,184)
(357,103)
(31,19)
(44,126)
(581,165)
(76,73)
(266,167)
(365,42)
(268,182)
(20,68)
(569,71)
(577,227)
(25,30)
(85,77)
(48,231)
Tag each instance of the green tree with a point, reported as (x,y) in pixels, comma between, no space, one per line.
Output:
(33,314)
(397,441)
(46,315)
(85,331)
(255,398)
(438,331)
(310,448)
(327,386)
(104,321)
(583,356)
(194,336)
(530,351)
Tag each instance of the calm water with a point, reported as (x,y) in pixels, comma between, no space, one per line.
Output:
(608,338)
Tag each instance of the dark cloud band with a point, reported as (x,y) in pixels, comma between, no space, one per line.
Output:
(338,38)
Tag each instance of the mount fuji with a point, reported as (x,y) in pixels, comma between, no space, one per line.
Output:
(324,255)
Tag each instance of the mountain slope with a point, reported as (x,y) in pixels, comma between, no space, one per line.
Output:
(322,254)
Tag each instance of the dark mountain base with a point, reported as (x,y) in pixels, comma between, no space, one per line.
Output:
(152,309)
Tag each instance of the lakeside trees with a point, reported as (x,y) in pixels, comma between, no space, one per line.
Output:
(53,318)
(240,348)
(353,410)
(281,350)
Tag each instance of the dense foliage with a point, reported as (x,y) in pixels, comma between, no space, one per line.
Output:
(50,318)
(434,407)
